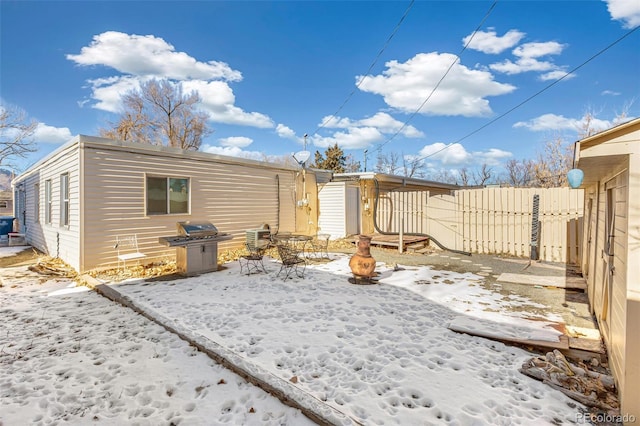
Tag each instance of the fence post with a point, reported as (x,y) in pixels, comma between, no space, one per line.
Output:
(401,236)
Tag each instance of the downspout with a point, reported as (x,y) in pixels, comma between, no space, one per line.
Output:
(414,234)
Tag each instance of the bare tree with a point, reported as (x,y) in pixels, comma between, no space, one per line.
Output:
(388,163)
(134,124)
(159,113)
(550,169)
(519,173)
(15,134)
(412,167)
(483,176)
(351,165)
(464,176)
(443,176)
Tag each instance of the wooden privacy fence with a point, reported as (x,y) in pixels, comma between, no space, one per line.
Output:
(491,220)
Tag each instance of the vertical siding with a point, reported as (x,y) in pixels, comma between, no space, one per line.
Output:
(53,239)
(610,309)
(234,197)
(619,288)
(630,389)
(332,209)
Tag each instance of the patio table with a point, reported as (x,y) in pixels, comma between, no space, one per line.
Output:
(297,241)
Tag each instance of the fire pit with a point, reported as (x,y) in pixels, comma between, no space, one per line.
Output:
(361,263)
(196,247)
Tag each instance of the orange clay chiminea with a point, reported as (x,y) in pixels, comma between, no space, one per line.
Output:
(361,263)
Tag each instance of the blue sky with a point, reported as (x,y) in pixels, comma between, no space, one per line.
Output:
(354,73)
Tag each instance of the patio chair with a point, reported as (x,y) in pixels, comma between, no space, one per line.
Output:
(252,262)
(127,249)
(291,260)
(320,246)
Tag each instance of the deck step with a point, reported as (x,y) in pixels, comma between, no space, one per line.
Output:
(417,246)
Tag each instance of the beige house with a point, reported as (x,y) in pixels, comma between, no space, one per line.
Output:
(78,199)
(610,258)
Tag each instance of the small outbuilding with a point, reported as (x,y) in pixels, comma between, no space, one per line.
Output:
(610,258)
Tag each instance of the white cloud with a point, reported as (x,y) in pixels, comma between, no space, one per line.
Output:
(353,138)
(521,65)
(235,141)
(218,101)
(627,11)
(553,122)
(556,75)
(233,151)
(456,155)
(528,61)
(548,122)
(140,58)
(492,157)
(149,55)
(50,134)
(358,134)
(286,132)
(610,93)
(490,42)
(108,91)
(405,86)
(536,50)
(382,121)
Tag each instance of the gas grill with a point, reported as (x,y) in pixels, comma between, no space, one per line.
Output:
(196,246)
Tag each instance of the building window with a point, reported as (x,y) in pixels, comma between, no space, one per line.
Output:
(48,203)
(4,204)
(36,202)
(167,195)
(64,199)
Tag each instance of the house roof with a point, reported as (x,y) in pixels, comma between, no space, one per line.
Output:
(395,181)
(104,143)
(605,152)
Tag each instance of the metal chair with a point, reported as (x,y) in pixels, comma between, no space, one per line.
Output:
(252,262)
(291,260)
(127,249)
(320,246)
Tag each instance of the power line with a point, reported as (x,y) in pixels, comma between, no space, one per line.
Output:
(530,97)
(486,16)
(393,33)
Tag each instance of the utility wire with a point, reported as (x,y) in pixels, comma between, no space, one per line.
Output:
(393,33)
(486,16)
(530,97)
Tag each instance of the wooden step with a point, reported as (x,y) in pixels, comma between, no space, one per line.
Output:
(416,246)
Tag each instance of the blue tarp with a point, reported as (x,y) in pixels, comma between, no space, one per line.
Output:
(6,225)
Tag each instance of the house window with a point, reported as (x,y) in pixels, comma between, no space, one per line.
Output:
(36,202)
(64,199)
(167,195)
(48,203)
(4,204)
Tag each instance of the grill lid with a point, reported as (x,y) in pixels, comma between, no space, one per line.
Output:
(196,229)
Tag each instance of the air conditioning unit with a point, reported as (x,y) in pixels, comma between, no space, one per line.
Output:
(258,237)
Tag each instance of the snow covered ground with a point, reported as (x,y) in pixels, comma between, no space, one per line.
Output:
(375,354)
